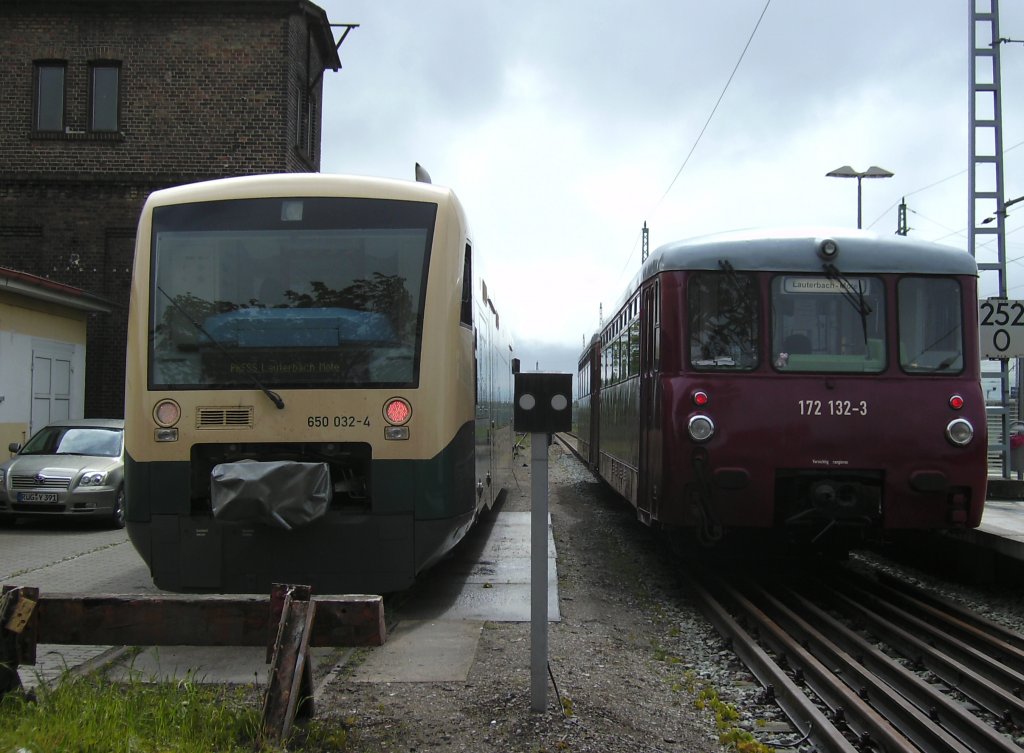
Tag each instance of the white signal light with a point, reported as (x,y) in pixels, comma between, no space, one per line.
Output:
(701,428)
(167,413)
(960,432)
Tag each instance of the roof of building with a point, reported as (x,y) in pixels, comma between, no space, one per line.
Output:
(42,289)
(324,35)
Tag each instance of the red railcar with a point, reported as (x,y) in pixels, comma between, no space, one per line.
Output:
(818,383)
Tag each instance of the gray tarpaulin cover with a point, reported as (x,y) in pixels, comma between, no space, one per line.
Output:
(279,493)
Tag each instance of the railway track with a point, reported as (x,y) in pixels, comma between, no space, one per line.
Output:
(871,664)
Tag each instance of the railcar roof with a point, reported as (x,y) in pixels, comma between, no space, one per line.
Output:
(299,185)
(796,250)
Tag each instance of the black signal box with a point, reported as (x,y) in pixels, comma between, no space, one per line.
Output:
(543,402)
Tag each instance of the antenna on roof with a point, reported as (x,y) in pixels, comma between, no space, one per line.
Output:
(422,176)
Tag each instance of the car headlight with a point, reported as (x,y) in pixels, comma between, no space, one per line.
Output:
(960,432)
(701,428)
(93,478)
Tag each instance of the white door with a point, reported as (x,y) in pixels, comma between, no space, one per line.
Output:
(51,385)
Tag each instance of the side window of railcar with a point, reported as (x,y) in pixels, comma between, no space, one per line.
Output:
(466,314)
(723,321)
(931,329)
(828,324)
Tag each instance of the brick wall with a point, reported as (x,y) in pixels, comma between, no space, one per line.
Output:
(208,89)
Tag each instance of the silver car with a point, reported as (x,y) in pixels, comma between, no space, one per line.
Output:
(71,468)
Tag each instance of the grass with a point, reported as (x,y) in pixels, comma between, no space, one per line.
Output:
(91,715)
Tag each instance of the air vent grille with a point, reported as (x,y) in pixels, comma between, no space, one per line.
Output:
(235,417)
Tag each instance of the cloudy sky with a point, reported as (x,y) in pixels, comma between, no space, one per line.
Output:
(564,125)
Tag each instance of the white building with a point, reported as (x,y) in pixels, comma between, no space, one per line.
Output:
(42,352)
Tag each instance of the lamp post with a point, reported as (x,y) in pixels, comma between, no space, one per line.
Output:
(848,172)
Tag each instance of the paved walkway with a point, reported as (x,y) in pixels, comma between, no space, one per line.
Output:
(486,578)
(69,559)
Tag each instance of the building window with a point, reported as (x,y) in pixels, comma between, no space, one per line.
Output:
(49,93)
(303,127)
(104,89)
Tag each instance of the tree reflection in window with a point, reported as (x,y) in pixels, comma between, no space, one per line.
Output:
(723,320)
(363,333)
(383,294)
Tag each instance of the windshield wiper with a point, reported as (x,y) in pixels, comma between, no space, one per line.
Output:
(274,397)
(734,336)
(854,295)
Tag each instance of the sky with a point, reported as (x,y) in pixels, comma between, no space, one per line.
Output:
(563,126)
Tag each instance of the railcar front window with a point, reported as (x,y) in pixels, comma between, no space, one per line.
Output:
(296,292)
(830,324)
(931,327)
(723,313)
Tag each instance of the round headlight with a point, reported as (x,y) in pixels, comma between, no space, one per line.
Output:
(701,428)
(960,432)
(167,413)
(828,249)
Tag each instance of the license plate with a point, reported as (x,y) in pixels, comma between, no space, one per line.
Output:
(37,496)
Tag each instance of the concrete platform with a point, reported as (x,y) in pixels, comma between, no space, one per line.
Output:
(487,577)
(992,552)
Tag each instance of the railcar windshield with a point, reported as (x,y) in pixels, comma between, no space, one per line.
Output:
(828,323)
(296,292)
(931,328)
(724,322)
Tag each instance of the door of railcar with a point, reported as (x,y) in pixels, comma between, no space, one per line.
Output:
(593,428)
(649,417)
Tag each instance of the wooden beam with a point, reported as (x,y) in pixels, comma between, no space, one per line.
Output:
(172,620)
(290,685)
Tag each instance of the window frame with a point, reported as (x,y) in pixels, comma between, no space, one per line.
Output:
(695,325)
(874,359)
(38,66)
(94,67)
(906,363)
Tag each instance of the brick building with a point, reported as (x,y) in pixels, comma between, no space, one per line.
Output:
(104,101)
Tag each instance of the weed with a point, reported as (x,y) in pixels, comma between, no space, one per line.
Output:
(725,718)
(91,715)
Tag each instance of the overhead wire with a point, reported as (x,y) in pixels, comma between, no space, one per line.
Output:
(932,185)
(707,122)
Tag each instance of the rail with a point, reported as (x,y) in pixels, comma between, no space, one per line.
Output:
(855,662)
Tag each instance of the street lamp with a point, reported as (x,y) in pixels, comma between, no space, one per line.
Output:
(848,172)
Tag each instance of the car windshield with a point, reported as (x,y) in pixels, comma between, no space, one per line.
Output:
(75,440)
(303,292)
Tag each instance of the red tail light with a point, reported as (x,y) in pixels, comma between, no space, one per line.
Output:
(956,402)
(397,411)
